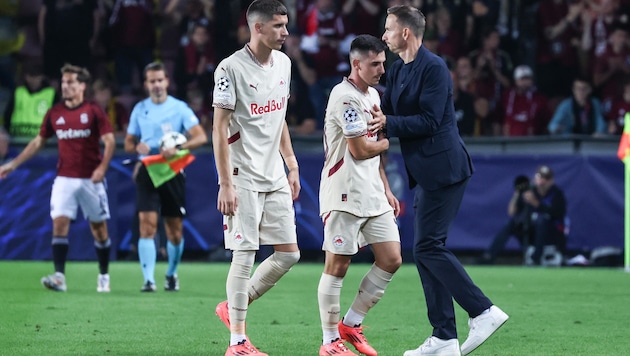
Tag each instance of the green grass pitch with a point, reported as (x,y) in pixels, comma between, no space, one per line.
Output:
(564,311)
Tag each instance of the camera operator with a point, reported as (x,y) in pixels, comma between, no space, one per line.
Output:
(536,216)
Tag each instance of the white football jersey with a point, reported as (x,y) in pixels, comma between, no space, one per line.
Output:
(258,95)
(347,184)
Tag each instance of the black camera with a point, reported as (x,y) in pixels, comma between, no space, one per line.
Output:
(521,183)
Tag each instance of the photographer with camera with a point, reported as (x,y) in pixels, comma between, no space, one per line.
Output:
(537,214)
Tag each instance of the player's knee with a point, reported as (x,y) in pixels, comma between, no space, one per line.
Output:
(244,258)
(391,264)
(337,267)
(286,260)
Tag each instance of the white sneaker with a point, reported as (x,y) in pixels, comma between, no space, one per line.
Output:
(55,281)
(436,347)
(482,327)
(102,283)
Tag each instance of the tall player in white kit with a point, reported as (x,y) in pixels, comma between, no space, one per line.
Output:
(356,204)
(251,139)
(78,126)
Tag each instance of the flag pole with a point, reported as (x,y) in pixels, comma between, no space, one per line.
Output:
(626,220)
(623,152)
(624,155)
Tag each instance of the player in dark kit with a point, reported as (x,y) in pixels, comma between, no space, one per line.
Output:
(78,126)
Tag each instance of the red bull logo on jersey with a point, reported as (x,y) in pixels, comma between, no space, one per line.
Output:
(238,238)
(71,133)
(339,241)
(269,106)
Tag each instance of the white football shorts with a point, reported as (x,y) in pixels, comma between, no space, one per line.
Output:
(262,218)
(345,233)
(70,193)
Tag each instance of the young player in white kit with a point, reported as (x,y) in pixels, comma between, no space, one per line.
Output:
(250,138)
(356,204)
(78,125)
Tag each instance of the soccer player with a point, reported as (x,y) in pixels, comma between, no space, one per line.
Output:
(150,119)
(78,126)
(356,204)
(250,139)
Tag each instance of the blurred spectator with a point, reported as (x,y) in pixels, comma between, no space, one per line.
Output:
(133,36)
(620,106)
(362,16)
(598,18)
(485,14)
(29,103)
(11,40)
(492,69)
(464,108)
(465,75)
(195,64)
(558,36)
(196,12)
(225,23)
(466,83)
(6,152)
(68,30)
(242,30)
(460,13)
(516,26)
(118,114)
(612,68)
(300,111)
(326,38)
(431,42)
(197,102)
(450,42)
(522,110)
(580,114)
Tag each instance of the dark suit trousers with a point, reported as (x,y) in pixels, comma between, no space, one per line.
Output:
(442,275)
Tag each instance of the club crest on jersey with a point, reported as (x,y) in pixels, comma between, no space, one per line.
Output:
(238,238)
(269,106)
(223,84)
(350,115)
(339,241)
(84,118)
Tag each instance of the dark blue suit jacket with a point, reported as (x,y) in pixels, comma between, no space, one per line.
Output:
(418,102)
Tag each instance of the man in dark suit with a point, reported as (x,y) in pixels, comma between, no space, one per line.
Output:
(417,107)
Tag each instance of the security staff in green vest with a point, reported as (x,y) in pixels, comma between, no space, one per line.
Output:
(25,111)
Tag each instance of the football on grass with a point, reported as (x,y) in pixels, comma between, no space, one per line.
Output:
(171,140)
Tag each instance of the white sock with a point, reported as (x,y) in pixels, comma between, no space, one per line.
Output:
(270,271)
(328,295)
(371,290)
(352,318)
(236,288)
(236,338)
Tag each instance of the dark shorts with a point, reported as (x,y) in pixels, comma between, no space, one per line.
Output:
(169,199)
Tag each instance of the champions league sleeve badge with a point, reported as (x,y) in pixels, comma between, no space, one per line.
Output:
(223,84)
(350,115)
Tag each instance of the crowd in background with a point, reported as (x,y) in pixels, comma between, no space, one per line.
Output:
(520,67)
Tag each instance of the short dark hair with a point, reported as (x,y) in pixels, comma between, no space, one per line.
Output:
(265,10)
(410,17)
(364,44)
(155,67)
(83,75)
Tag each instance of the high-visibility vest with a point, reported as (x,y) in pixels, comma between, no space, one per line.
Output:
(29,111)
